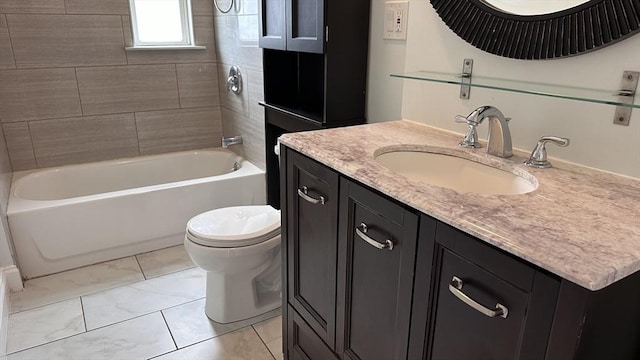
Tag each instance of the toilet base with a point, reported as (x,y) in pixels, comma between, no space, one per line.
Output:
(236,297)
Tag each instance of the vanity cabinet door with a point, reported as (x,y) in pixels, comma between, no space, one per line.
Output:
(293,25)
(486,304)
(305,26)
(311,243)
(374,278)
(304,342)
(272,24)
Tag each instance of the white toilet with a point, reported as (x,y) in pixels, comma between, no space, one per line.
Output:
(239,248)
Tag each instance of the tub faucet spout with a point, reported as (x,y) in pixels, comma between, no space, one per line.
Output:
(227,141)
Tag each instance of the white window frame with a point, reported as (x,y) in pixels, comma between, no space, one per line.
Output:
(187,30)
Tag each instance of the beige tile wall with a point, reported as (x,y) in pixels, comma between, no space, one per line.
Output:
(236,40)
(70,93)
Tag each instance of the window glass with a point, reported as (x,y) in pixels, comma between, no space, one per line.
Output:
(161,22)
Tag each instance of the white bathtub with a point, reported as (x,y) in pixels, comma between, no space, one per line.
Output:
(70,216)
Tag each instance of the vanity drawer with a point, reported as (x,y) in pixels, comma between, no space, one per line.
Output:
(487,304)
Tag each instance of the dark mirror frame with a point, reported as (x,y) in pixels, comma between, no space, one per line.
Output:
(570,32)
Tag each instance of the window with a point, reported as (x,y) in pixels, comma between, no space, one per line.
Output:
(161,23)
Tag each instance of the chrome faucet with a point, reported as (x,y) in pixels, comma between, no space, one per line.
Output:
(227,141)
(499,141)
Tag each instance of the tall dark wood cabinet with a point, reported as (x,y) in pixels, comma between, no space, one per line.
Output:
(315,69)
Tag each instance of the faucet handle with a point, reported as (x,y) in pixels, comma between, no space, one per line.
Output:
(471,120)
(461,119)
(470,139)
(538,158)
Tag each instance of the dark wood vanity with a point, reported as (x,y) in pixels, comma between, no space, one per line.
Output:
(368,277)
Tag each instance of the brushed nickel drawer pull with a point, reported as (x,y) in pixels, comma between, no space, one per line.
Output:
(455,286)
(304,193)
(361,230)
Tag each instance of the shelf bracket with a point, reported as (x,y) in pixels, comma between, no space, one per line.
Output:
(465,76)
(626,95)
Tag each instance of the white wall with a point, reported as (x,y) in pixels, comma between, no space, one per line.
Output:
(384,94)
(595,140)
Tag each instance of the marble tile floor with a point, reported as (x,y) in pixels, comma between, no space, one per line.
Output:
(148,306)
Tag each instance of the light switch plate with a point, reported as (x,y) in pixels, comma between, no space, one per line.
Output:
(396,15)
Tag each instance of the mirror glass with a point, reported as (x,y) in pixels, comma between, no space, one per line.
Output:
(533,7)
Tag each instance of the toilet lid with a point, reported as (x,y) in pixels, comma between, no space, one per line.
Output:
(234,226)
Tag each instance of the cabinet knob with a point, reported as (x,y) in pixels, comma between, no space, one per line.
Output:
(455,287)
(361,231)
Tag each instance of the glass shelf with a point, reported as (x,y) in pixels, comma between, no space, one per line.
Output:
(556,91)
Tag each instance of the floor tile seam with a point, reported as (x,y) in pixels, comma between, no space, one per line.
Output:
(146,313)
(265,319)
(79,268)
(84,319)
(45,305)
(211,338)
(151,277)
(85,332)
(45,343)
(169,330)
(141,271)
(262,341)
(133,283)
(217,335)
(84,294)
(118,322)
(188,302)
(144,276)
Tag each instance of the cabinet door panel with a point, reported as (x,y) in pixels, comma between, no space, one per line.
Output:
(272,24)
(305,26)
(304,343)
(312,243)
(458,323)
(374,296)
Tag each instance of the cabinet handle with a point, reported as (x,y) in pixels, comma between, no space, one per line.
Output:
(304,193)
(455,286)
(361,230)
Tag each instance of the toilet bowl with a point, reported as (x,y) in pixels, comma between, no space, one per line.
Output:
(239,248)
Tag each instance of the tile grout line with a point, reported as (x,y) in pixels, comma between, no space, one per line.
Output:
(33,148)
(169,329)
(140,266)
(135,122)
(108,114)
(124,40)
(82,66)
(262,341)
(13,53)
(85,332)
(75,75)
(87,294)
(175,69)
(84,319)
(62,338)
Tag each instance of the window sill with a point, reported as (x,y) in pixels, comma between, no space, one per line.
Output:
(162,48)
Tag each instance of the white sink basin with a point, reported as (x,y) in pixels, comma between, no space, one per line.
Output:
(462,175)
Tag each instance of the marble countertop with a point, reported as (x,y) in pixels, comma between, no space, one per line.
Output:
(580,223)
